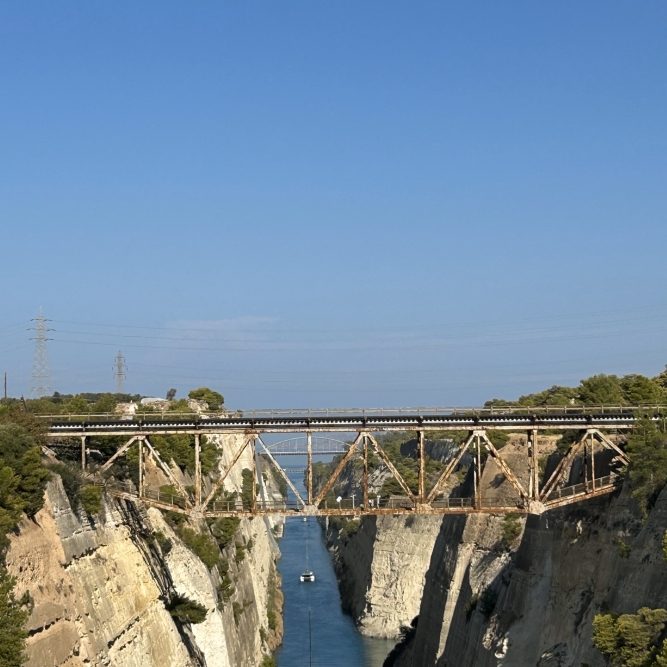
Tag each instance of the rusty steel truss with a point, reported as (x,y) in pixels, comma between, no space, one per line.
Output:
(535,497)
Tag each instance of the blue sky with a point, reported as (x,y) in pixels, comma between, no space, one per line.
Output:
(334,203)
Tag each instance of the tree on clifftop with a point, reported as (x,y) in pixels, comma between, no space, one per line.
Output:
(601,390)
(648,462)
(213,398)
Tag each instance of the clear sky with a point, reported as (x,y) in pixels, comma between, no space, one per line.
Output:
(334,203)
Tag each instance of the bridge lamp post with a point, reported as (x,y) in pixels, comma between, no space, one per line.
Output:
(338,500)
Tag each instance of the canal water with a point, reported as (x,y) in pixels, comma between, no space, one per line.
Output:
(334,638)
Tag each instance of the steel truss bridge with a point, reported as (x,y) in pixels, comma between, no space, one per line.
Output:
(536,497)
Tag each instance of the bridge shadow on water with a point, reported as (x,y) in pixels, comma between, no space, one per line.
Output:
(335,639)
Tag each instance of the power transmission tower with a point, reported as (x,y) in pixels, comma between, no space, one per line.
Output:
(120,368)
(41,383)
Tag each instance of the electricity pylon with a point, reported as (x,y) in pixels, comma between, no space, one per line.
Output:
(120,369)
(41,383)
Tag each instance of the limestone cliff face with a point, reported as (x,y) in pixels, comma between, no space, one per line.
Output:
(97,600)
(381,571)
(485,606)
(100,590)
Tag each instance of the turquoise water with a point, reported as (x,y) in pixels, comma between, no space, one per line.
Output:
(335,639)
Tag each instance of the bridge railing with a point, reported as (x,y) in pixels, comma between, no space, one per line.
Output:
(368,412)
(585,487)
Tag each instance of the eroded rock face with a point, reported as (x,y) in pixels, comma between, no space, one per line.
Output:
(100,589)
(96,600)
(381,571)
(566,569)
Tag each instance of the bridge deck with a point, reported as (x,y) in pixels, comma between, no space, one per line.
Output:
(350,421)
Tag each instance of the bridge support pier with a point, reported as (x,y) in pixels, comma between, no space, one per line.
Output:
(197,471)
(422,490)
(83,452)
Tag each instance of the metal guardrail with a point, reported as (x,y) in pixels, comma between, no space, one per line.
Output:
(364,412)
(585,487)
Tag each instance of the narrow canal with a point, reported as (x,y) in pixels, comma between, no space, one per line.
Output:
(334,638)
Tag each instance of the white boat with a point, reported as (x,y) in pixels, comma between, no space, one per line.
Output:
(307,575)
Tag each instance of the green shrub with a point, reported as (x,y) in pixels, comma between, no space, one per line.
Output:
(268,661)
(630,640)
(185,609)
(262,634)
(91,499)
(624,549)
(664,547)
(164,542)
(225,588)
(13,616)
(511,528)
(201,544)
(471,606)
(224,530)
(271,617)
(239,553)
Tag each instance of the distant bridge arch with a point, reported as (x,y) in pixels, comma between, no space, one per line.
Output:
(298,446)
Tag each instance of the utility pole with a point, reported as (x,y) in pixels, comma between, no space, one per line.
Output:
(119,374)
(41,383)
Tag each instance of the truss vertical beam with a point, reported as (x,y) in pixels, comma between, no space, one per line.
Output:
(282,473)
(502,464)
(141,468)
(309,472)
(83,452)
(365,474)
(593,461)
(450,469)
(478,475)
(562,466)
(253,469)
(422,491)
(227,470)
(197,470)
(332,480)
(534,491)
(392,469)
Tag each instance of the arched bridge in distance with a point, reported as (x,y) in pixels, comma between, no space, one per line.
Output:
(318,447)
(533,488)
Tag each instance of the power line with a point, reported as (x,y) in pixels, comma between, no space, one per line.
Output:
(41,383)
(120,369)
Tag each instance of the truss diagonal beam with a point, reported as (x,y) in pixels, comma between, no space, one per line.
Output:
(606,442)
(562,466)
(281,471)
(449,469)
(392,469)
(337,471)
(119,453)
(167,471)
(506,470)
(227,470)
